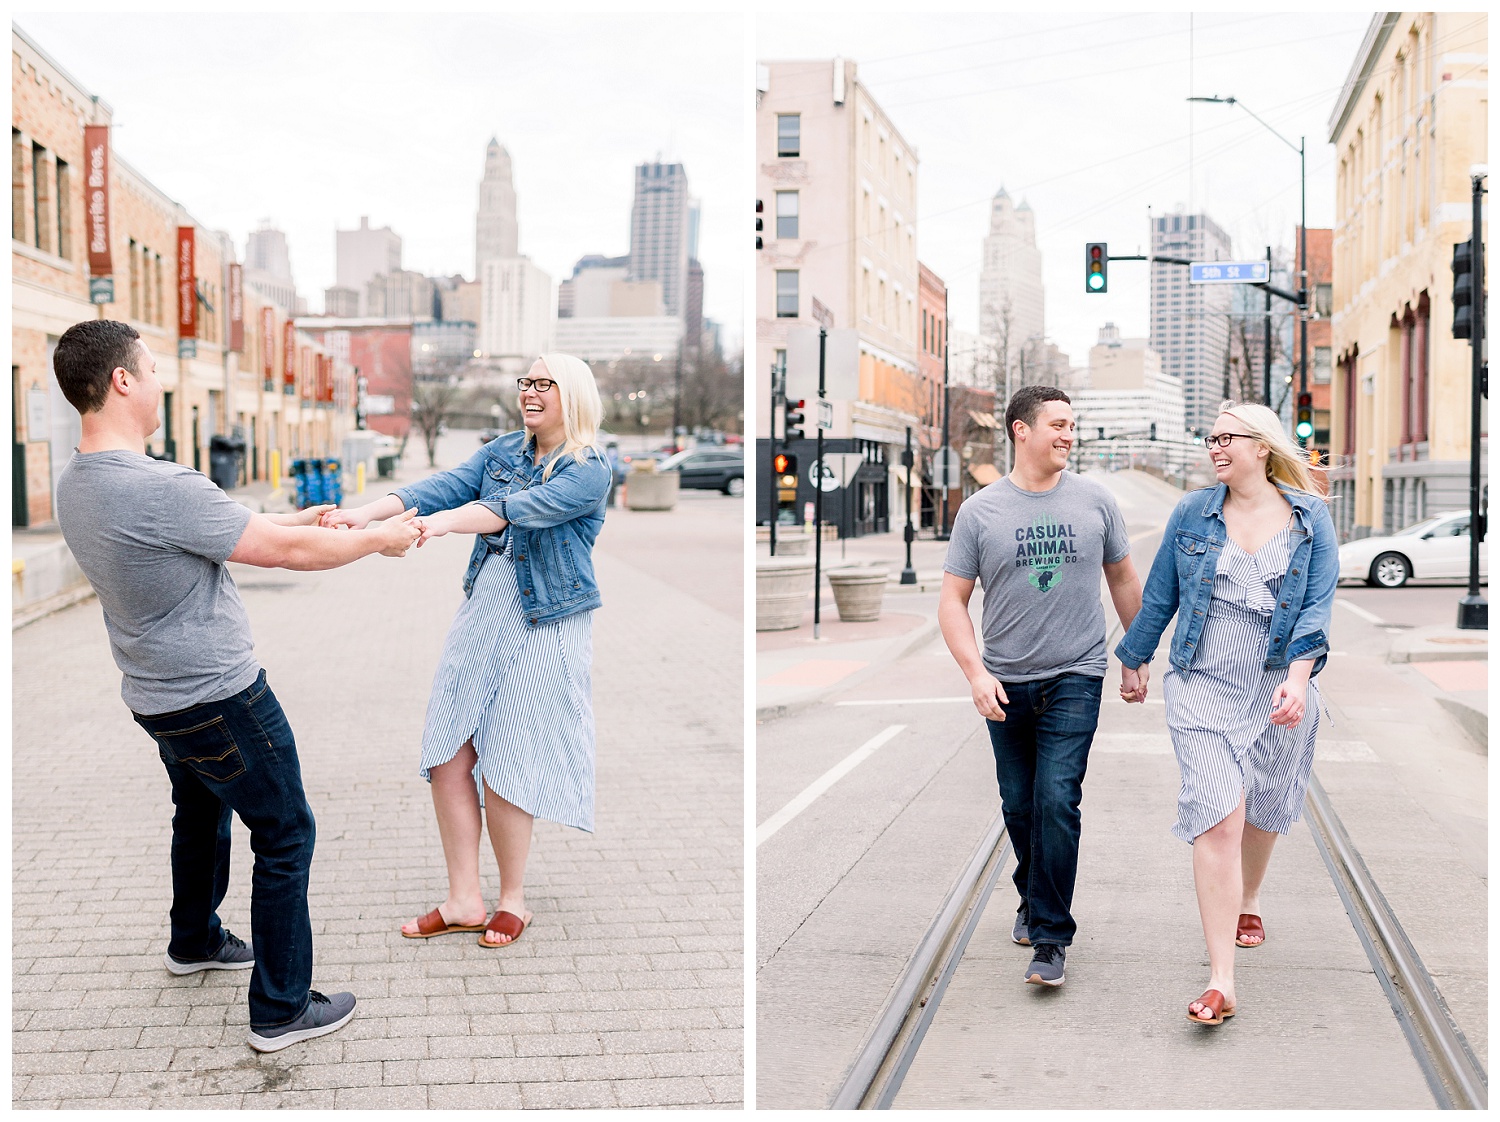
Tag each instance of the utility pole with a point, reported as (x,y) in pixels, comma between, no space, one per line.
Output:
(1473,609)
(942,534)
(908,461)
(1268,332)
(817,474)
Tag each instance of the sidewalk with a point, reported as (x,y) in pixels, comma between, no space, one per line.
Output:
(626,991)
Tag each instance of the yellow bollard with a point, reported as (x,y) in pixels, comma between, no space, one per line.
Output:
(359,478)
(275,471)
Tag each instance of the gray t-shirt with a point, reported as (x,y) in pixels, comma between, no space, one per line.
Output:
(1038,556)
(152,537)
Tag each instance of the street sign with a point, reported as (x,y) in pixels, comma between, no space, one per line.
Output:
(101,290)
(821,313)
(187,348)
(946,469)
(840,368)
(820,474)
(1229,272)
(825,416)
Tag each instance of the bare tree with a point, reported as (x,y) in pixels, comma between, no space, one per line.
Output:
(712,392)
(433,403)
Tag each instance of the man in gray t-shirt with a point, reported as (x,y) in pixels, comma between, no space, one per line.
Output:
(1038,540)
(153,539)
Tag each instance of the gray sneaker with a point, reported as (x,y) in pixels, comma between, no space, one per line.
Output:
(1046,967)
(234,954)
(1021,934)
(322,1016)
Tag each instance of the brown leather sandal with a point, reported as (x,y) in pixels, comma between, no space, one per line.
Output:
(504,923)
(1212,1000)
(433,923)
(1249,925)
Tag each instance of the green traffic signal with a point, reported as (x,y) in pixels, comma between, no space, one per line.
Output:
(1304,429)
(1096,267)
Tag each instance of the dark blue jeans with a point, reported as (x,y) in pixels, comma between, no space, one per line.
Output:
(1041,753)
(238,755)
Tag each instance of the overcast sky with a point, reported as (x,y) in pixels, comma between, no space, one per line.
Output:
(1084,116)
(311,121)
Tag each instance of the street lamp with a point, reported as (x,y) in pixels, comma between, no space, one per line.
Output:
(1301,150)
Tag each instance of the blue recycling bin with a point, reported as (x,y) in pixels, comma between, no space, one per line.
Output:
(333,482)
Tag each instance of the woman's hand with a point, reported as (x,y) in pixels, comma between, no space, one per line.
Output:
(335,519)
(1290,703)
(435,526)
(1133,683)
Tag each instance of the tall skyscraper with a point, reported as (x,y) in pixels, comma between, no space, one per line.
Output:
(268,267)
(1010,278)
(1190,322)
(363,254)
(659,231)
(495,233)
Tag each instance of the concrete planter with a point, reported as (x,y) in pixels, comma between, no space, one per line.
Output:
(858,592)
(651,490)
(792,545)
(782,586)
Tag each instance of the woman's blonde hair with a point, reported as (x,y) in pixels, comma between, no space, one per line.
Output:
(1286,463)
(581,409)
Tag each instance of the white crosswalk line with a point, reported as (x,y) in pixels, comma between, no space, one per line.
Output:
(811,792)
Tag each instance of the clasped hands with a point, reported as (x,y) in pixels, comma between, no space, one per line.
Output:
(1133,682)
(358,518)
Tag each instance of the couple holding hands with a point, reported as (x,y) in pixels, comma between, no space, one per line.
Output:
(509,732)
(1248,568)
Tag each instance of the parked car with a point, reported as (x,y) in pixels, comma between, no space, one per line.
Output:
(709,469)
(1433,548)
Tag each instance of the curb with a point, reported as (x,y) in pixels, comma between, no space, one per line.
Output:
(914,639)
(1474,721)
(43,608)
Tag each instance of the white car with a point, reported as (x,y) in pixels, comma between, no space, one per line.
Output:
(1435,547)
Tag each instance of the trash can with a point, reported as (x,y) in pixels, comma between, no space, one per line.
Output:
(333,482)
(225,455)
(386,465)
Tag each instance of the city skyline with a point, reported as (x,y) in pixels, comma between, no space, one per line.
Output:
(1085,116)
(432,101)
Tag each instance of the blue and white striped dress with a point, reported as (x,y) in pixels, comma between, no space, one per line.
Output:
(523,694)
(1219,710)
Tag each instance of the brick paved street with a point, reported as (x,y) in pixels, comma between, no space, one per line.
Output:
(626,991)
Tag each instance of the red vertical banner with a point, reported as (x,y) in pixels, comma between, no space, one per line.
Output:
(237,310)
(187,292)
(96,198)
(327,379)
(267,349)
(289,358)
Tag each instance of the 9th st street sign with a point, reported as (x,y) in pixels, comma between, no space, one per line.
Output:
(1229,272)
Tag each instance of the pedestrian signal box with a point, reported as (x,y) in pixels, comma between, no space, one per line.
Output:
(1096,267)
(784,463)
(1304,417)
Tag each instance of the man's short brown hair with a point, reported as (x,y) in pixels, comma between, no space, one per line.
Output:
(87,356)
(1026,403)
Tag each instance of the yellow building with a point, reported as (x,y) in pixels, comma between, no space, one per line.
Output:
(1408,128)
(209,388)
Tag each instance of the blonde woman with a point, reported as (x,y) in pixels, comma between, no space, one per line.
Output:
(510,724)
(1249,568)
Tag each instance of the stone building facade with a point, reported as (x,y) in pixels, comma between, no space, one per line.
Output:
(208,388)
(1407,129)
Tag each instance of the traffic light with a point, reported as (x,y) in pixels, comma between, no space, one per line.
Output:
(794,421)
(1153,430)
(760,209)
(784,464)
(1096,266)
(1463,291)
(1304,416)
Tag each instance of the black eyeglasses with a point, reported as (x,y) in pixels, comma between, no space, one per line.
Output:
(542,384)
(1224,440)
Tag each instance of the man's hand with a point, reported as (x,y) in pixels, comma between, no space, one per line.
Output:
(312,516)
(398,533)
(989,696)
(1133,682)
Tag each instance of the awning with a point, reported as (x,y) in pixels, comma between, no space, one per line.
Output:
(983,420)
(984,474)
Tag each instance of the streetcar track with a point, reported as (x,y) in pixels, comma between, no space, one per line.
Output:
(1453,1073)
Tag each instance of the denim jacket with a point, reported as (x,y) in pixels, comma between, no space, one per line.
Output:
(552,525)
(1182,582)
